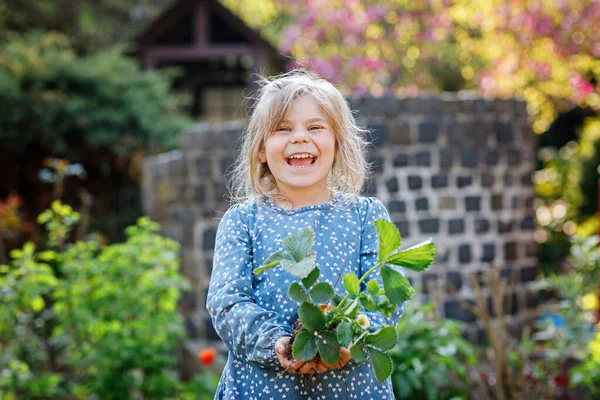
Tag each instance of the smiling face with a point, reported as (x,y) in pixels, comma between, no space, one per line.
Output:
(300,153)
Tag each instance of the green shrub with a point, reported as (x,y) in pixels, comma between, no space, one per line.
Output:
(431,358)
(85,319)
(64,103)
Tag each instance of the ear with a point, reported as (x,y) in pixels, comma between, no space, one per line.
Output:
(262,157)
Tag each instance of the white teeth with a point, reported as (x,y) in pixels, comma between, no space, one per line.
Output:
(301,156)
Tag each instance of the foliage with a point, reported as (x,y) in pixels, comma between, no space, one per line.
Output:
(89,24)
(84,319)
(63,103)
(565,187)
(544,51)
(585,258)
(329,320)
(561,351)
(269,17)
(431,357)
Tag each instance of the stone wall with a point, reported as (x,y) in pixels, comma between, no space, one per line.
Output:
(454,168)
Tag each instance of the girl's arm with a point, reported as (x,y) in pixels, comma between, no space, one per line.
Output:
(369,246)
(248,330)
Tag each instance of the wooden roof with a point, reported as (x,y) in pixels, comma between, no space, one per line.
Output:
(181,9)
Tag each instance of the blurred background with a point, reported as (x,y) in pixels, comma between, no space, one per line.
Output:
(111,113)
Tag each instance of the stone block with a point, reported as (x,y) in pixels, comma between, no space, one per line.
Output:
(487,180)
(404,228)
(505,226)
(439,181)
(473,203)
(211,333)
(400,134)
(456,226)
(447,203)
(379,134)
(423,159)
(504,133)
(469,158)
(400,160)
(497,202)
(492,157)
(208,238)
(528,223)
(392,185)
(510,251)
(422,204)
(526,179)
(453,309)
(446,158)
(488,252)
(397,206)
(513,157)
(429,225)
(464,254)
(529,273)
(482,226)
(454,280)
(415,182)
(227,164)
(464,181)
(428,131)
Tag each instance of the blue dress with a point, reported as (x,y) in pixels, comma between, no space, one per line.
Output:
(251,312)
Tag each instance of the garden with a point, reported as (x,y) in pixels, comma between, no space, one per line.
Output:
(90,287)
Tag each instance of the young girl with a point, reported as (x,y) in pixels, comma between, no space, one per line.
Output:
(302,165)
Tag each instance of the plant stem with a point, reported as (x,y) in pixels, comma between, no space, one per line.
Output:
(379,264)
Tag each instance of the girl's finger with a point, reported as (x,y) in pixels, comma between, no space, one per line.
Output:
(296,365)
(307,368)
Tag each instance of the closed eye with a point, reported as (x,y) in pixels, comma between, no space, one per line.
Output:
(315,128)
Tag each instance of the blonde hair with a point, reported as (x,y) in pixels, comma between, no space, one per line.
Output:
(272,101)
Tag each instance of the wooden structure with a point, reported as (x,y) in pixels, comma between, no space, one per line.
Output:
(216,51)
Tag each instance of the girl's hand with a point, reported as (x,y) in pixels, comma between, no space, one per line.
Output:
(306,367)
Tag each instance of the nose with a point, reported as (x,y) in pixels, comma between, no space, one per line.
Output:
(299,135)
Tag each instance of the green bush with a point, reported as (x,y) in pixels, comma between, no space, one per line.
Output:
(85,319)
(567,199)
(64,103)
(431,358)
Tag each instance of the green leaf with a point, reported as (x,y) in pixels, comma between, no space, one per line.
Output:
(304,347)
(321,292)
(336,299)
(344,333)
(373,286)
(297,293)
(328,347)
(311,278)
(383,339)
(311,316)
(366,301)
(389,238)
(273,260)
(300,269)
(417,258)
(397,287)
(384,305)
(299,246)
(358,351)
(382,364)
(351,283)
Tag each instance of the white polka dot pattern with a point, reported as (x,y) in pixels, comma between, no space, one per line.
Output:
(251,312)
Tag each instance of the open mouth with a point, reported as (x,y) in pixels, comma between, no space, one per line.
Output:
(301,160)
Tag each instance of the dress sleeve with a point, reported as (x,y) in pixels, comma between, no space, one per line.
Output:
(369,246)
(248,330)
